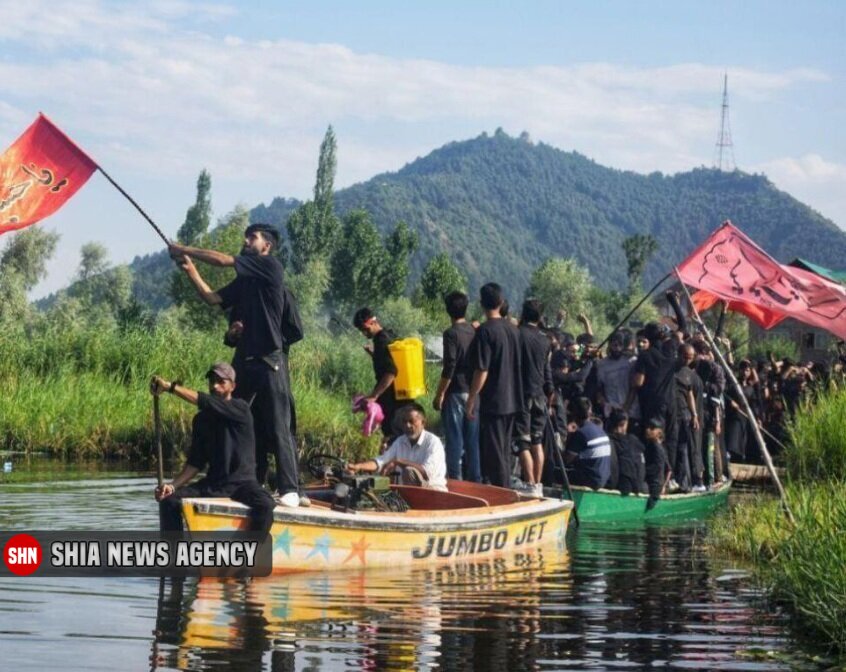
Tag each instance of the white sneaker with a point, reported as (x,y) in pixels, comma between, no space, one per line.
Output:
(290,499)
(539,489)
(526,488)
(304,500)
(699,488)
(672,486)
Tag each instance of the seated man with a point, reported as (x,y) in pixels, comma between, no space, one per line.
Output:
(418,455)
(588,448)
(222,437)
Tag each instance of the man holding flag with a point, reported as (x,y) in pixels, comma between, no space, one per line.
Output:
(258,297)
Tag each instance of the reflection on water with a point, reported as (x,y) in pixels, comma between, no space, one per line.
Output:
(619,599)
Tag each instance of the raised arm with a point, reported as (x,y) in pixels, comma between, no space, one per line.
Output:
(211,257)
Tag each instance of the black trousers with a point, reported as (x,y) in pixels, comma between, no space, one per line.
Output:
(250,493)
(495,454)
(267,387)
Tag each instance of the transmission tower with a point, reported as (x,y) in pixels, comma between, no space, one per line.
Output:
(724,149)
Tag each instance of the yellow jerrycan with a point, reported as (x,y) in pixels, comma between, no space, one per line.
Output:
(407,354)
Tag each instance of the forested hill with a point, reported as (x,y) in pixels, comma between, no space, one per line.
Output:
(501,205)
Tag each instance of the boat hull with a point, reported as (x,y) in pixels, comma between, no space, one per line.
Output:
(318,538)
(609,506)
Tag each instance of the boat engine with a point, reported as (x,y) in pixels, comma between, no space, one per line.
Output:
(367,493)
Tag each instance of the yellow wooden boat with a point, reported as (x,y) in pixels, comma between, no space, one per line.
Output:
(469,521)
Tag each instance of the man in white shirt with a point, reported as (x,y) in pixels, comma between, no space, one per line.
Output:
(415,451)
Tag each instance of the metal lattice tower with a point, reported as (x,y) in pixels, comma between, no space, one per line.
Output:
(724,149)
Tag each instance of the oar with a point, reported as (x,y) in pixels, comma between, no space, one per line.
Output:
(560,465)
(157,434)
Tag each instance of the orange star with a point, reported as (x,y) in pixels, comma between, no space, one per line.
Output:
(358,548)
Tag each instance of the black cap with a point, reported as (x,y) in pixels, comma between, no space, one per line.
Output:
(655,423)
(269,232)
(222,370)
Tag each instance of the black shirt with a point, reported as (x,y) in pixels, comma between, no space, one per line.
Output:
(457,366)
(222,438)
(258,296)
(383,363)
(656,394)
(496,349)
(534,352)
(631,463)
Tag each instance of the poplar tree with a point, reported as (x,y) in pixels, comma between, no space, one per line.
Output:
(198,217)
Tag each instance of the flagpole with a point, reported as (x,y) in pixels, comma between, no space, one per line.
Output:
(633,310)
(743,400)
(137,207)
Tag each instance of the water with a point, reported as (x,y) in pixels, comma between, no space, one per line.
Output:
(631,599)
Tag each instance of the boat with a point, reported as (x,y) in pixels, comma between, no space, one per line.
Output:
(752,473)
(468,521)
(609,506)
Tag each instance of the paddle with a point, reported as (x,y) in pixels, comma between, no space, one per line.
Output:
(157,432)
(560,464)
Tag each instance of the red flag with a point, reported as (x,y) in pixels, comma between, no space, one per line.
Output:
(729,265)
(703,300)
(38,173)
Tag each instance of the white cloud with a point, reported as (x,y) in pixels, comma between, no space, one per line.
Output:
(812,179)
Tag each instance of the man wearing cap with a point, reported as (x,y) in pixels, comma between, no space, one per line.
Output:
(222,439)
(257,296)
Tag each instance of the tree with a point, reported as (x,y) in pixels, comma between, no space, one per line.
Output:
(440,277)
(227,237)
(561,284)
(101,292)
(22,265)
(313,227)
(198,217)
(638,249)
(366,269)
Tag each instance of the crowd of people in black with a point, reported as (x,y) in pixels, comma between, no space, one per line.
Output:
(650,413)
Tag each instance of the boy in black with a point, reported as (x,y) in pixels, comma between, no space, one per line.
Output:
(630,454)
(537,389)
(461,432)
(384,369)
(658,471)
(222,438)
(497,385)
(257,297)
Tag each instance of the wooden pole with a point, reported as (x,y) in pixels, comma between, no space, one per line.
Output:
(743,401)
(157,433)
(632,311)
(137,207)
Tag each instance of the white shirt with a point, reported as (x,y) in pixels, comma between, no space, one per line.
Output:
(427,452)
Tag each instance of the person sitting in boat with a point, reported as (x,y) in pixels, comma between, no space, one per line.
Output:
(588,448)
(658,471)
(222,437)
(418,455)
(631,461)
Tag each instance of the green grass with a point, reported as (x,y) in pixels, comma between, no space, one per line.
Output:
(804,566)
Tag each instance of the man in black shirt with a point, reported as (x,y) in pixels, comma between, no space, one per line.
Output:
(384,369)
(462,432)
(537,389)
(257,297)
(222,439)
(497,384)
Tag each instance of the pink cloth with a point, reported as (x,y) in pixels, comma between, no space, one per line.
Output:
(373,414)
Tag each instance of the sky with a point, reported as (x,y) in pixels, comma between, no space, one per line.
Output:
(157,91)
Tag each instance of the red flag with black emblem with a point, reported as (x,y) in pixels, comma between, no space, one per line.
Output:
(39,172)
(729,265)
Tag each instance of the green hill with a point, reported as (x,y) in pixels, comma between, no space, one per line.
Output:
(499,206)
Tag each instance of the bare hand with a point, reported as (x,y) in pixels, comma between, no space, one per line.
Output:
(438,402)
(164,491)
(158,385)
(470,408)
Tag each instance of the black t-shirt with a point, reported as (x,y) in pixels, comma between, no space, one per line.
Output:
(534,352)
(631,463)
(457,366)
(383,363)
(686,381)
(496,349)
(222,438)
(258,297)
(656,394)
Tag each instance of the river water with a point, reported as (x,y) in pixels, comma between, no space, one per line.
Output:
(618,599)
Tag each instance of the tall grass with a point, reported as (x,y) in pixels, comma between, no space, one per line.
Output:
(805,565)
(84,391)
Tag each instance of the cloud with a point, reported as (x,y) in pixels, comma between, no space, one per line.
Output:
(812,179)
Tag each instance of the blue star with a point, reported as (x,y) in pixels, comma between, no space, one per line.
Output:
(321,545)
(284,540)
(562,538)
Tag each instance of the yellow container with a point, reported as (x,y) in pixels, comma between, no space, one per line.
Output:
(407,354)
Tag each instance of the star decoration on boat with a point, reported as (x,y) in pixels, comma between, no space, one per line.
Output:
(284,540)
(321,545)
(562,538)
(358,548)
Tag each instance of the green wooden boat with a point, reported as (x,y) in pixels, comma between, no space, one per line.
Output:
(609,506)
